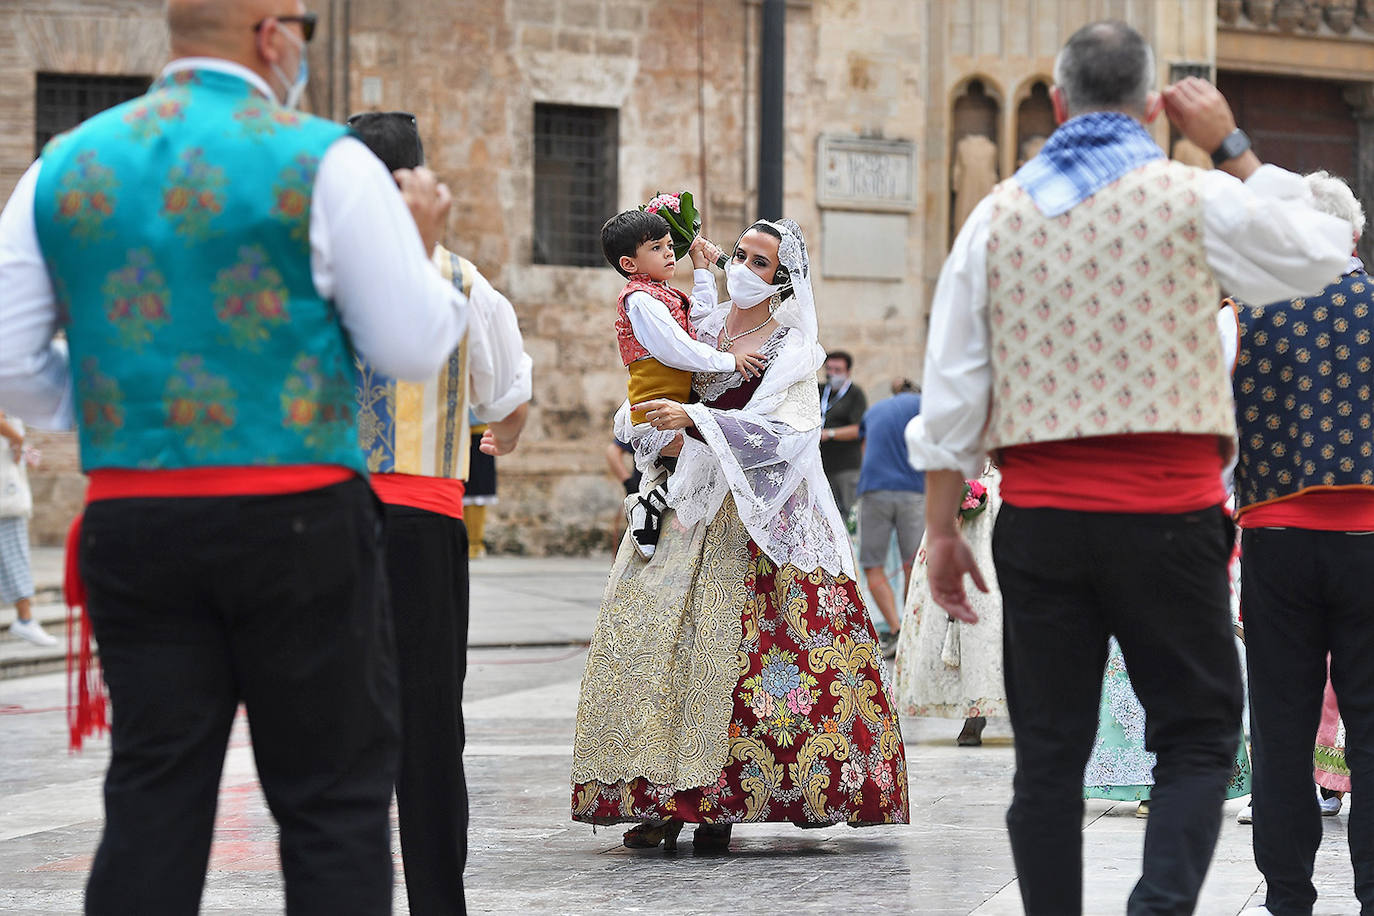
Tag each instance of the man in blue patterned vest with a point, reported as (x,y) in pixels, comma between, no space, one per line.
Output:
(1305,506)
(216,258)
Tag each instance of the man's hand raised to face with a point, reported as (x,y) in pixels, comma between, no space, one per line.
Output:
(1202,114)
(429,201)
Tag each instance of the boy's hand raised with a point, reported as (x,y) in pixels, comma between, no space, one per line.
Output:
(704,253)
(749,365)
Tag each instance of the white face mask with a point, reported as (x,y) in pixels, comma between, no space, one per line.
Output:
(746,288)
(294,90)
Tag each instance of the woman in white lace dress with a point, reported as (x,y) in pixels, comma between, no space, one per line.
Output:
(735,676)
(945,668)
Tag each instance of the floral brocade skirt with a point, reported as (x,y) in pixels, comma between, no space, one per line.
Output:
(1120,769)
(812,739)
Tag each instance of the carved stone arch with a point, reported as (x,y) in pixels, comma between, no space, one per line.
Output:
(975,107)
(974,160)
(1034,117)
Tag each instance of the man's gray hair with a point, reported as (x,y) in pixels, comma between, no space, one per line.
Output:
(1105,66)
(1332,195)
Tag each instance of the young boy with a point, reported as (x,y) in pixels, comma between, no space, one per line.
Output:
(657,341)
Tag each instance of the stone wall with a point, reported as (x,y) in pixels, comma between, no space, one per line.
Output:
(878,75)
(105,37)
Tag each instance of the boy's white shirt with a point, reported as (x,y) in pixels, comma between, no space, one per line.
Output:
(665,339)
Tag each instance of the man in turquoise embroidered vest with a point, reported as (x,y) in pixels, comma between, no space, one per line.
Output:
(416,440)
(216,258)
(1305,505)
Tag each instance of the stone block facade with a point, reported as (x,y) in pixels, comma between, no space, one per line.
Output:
(682,76)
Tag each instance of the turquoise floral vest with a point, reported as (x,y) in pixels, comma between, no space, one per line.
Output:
(1304,400)
(176,228)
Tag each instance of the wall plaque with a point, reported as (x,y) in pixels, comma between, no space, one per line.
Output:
(854,173)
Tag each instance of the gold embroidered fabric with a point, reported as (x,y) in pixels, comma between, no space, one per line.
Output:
(661,671)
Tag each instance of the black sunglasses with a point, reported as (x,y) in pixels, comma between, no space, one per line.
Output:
(378,115)
(307,23)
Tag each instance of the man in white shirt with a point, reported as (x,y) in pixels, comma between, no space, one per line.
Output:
(427,541)
(1073,336)
(230,546)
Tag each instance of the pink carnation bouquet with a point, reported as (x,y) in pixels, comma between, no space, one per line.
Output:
(684,222)
(975,499)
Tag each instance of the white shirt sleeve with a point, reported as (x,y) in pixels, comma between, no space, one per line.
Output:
(498,367)
(366,255)
(1264,240)
(1228,326)
(956,389)
(35,381)
(667,342)
(703,296)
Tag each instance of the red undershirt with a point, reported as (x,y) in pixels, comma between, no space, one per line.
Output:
(1155,473)
(1317,508)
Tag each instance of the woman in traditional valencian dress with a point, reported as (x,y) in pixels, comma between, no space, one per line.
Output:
(948,669)
(735,677)
(1120,768)
(1329,769)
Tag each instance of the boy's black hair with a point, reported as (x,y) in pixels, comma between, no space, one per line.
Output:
(393,137)
(623,233)
(841,354)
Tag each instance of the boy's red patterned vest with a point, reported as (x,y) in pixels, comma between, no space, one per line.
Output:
(678,305)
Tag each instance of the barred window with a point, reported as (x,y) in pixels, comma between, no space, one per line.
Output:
(575,153)
(64,100)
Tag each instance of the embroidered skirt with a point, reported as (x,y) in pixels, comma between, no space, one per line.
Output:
(812,737)
(1329,769)
(1120,768)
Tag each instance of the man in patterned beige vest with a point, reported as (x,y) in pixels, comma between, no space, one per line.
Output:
(1073,337)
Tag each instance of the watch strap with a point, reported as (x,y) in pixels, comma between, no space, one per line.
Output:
(1235,144)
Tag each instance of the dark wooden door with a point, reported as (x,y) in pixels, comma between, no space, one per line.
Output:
(1300,124)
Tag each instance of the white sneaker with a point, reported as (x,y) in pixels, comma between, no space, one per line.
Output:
(1247,816)
(1330,806)
(32,631)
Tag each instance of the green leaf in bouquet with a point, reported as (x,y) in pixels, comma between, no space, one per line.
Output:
(689,209)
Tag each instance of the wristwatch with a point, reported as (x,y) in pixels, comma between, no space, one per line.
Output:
(1235,144)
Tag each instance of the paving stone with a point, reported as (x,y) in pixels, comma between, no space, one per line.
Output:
(527,856)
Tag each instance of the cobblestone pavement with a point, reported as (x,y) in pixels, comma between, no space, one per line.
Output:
(527,856)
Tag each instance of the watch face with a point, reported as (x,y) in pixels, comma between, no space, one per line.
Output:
(1235,143)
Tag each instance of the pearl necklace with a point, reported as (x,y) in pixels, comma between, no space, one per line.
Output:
(727,340)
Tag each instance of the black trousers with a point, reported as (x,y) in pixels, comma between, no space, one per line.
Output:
(427,564)
(1159,584)
(1307,593)
(276,602)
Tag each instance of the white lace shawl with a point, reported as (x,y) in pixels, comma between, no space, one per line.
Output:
(768,455)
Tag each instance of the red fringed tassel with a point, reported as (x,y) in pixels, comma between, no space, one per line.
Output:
(86,702)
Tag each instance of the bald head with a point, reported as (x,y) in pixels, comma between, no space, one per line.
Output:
(218,26)
(225,29)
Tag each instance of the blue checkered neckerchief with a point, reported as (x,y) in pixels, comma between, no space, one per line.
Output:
(1082,157)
